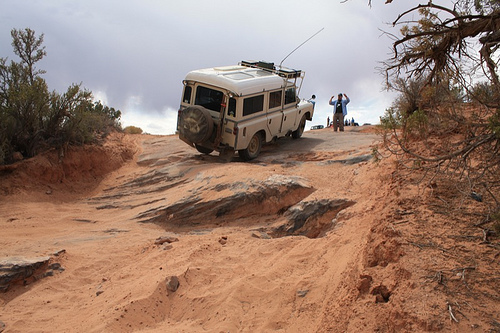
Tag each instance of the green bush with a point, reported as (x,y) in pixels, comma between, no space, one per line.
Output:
(417,124)
(391,119)
(32,118)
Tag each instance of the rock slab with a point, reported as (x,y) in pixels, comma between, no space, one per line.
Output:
(21,270)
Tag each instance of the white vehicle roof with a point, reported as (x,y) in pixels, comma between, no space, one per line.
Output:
(241,80)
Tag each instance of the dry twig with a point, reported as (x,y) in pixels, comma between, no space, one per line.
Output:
(450,310)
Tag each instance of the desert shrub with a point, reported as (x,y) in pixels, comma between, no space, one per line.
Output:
(417,124)
(391,120)
(483,93)
(453,139)
(132,130)
(34,119)
(445,67)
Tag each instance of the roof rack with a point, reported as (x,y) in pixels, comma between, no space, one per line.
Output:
(269,66)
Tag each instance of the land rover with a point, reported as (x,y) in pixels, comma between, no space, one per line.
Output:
(241,107)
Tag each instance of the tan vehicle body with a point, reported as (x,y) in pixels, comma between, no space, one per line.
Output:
(238,108)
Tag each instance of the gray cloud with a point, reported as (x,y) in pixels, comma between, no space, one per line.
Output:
(134,55)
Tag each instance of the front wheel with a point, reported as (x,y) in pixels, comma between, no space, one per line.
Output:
(300,130)
(253,149)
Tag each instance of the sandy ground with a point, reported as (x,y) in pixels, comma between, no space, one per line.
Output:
(362,273)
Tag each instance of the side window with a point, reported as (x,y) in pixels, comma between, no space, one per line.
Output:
(231,108)
(275,99)
(187,94)
(290,96)
(209,98)
(253,105)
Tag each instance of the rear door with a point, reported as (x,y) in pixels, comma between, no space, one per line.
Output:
(229,131)
(275,112)
(289,110)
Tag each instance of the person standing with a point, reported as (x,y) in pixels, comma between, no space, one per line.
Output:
(339,111)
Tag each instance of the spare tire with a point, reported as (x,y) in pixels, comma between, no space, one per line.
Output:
(196,124)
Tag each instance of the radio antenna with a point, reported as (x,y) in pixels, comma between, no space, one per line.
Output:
(300,46)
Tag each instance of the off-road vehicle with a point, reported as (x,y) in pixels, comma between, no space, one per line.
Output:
(240,107)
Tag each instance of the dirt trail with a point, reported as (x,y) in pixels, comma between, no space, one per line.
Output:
(235,274)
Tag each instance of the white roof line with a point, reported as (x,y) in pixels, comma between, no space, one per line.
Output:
(240,80)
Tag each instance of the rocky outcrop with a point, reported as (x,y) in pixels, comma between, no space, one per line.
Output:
(243,199)
(279,197)
(311,218)
(23,271)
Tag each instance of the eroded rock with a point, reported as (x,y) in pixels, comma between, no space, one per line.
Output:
(364,284)
(21,270)
(311,218)
(166,239)
(253,198)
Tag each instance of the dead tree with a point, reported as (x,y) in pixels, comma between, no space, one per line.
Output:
(460,136)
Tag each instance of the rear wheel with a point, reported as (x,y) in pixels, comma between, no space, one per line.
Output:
(253,149)
(203,150)
(196,124)
(300,130)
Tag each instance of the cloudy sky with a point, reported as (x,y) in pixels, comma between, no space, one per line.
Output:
(133,55)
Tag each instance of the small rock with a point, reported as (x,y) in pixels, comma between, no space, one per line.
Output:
(48,192)
(476,196)
(97,293)
(223,240)
(55,265)
(173,283)
(114,230)
(166,239)
(17,156)
(302,293)
(261,235)
(2,326)
(58,253)
(168,247)
(84,220)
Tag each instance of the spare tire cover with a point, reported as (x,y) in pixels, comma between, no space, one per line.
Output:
(196,124)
